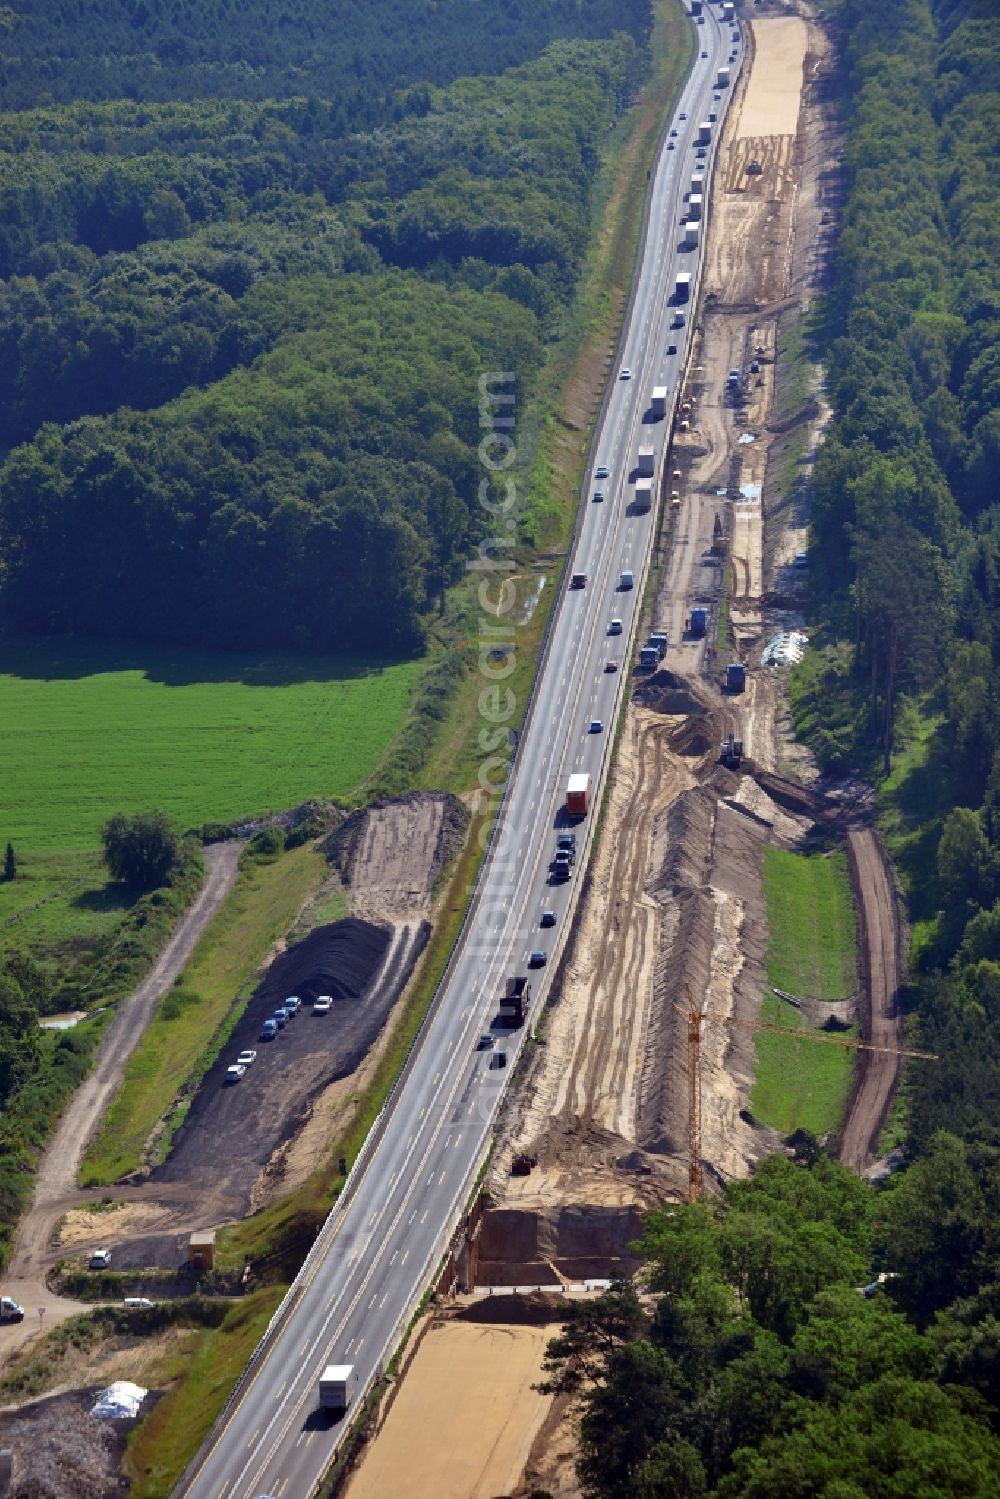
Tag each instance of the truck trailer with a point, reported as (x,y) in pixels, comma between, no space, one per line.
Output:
(691,234)
(646,460)
(722,78)
(658,401)
(727,10)
(682,287)
(578,794)
(514,1001)
(736,677)
(704,132)
(337,1387)
(643,495)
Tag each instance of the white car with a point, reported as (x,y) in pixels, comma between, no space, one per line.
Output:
(246,1059)
(100,1259)
(322,1005)
(234,1073)
(615,627)
(626,373)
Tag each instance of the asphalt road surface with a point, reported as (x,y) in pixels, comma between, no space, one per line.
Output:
(383,1242)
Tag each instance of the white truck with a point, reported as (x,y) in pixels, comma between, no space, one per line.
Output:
(658,401)
(337,1387)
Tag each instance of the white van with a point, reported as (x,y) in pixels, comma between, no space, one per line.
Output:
(137,1303)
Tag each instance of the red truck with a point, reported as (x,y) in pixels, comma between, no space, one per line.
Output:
(578,794)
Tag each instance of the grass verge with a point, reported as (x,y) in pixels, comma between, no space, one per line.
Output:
(812,953)
(190,1026)
(200,1379)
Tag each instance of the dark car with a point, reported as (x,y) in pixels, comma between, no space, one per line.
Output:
(548,918)
(280,1018)
(538,959)
(269,1030)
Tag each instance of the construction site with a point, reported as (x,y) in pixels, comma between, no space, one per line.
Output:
(636,1091)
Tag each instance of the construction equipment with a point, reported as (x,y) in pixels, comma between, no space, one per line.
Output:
(754,168)
(731,751)
(695,1018)
(523,1165)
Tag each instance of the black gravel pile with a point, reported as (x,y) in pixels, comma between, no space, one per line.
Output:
(338,959)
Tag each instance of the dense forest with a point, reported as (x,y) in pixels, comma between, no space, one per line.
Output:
(355,56)
(242,339)
(770,1358)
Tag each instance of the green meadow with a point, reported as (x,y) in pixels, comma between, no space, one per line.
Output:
(811,953)
(89,729)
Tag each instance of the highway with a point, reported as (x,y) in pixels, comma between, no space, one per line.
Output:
(384,1240)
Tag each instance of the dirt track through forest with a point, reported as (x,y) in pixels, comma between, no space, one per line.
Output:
(876,1073)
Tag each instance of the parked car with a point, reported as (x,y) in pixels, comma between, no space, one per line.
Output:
(234,1073)
(280,1017)
(100,1259)
(498,1059)
(293,1005)
(137,1303)
(486,1042)
(268,1030)
(322,1005)
(246,1058)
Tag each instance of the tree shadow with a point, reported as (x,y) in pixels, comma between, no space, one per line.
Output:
(63,658)
(105,899)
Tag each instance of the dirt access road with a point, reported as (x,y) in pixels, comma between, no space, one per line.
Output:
(882,1023)
(55,1181)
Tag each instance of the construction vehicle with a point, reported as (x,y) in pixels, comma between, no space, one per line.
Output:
(754,168)
(337,1386)
(736,677)
(649,657)
(578,794)
(523,1165)
(659,639)
(731,751)
(514,1001)
(699,622)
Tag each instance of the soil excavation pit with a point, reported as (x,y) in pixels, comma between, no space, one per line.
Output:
(363,967)
(470,1386)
